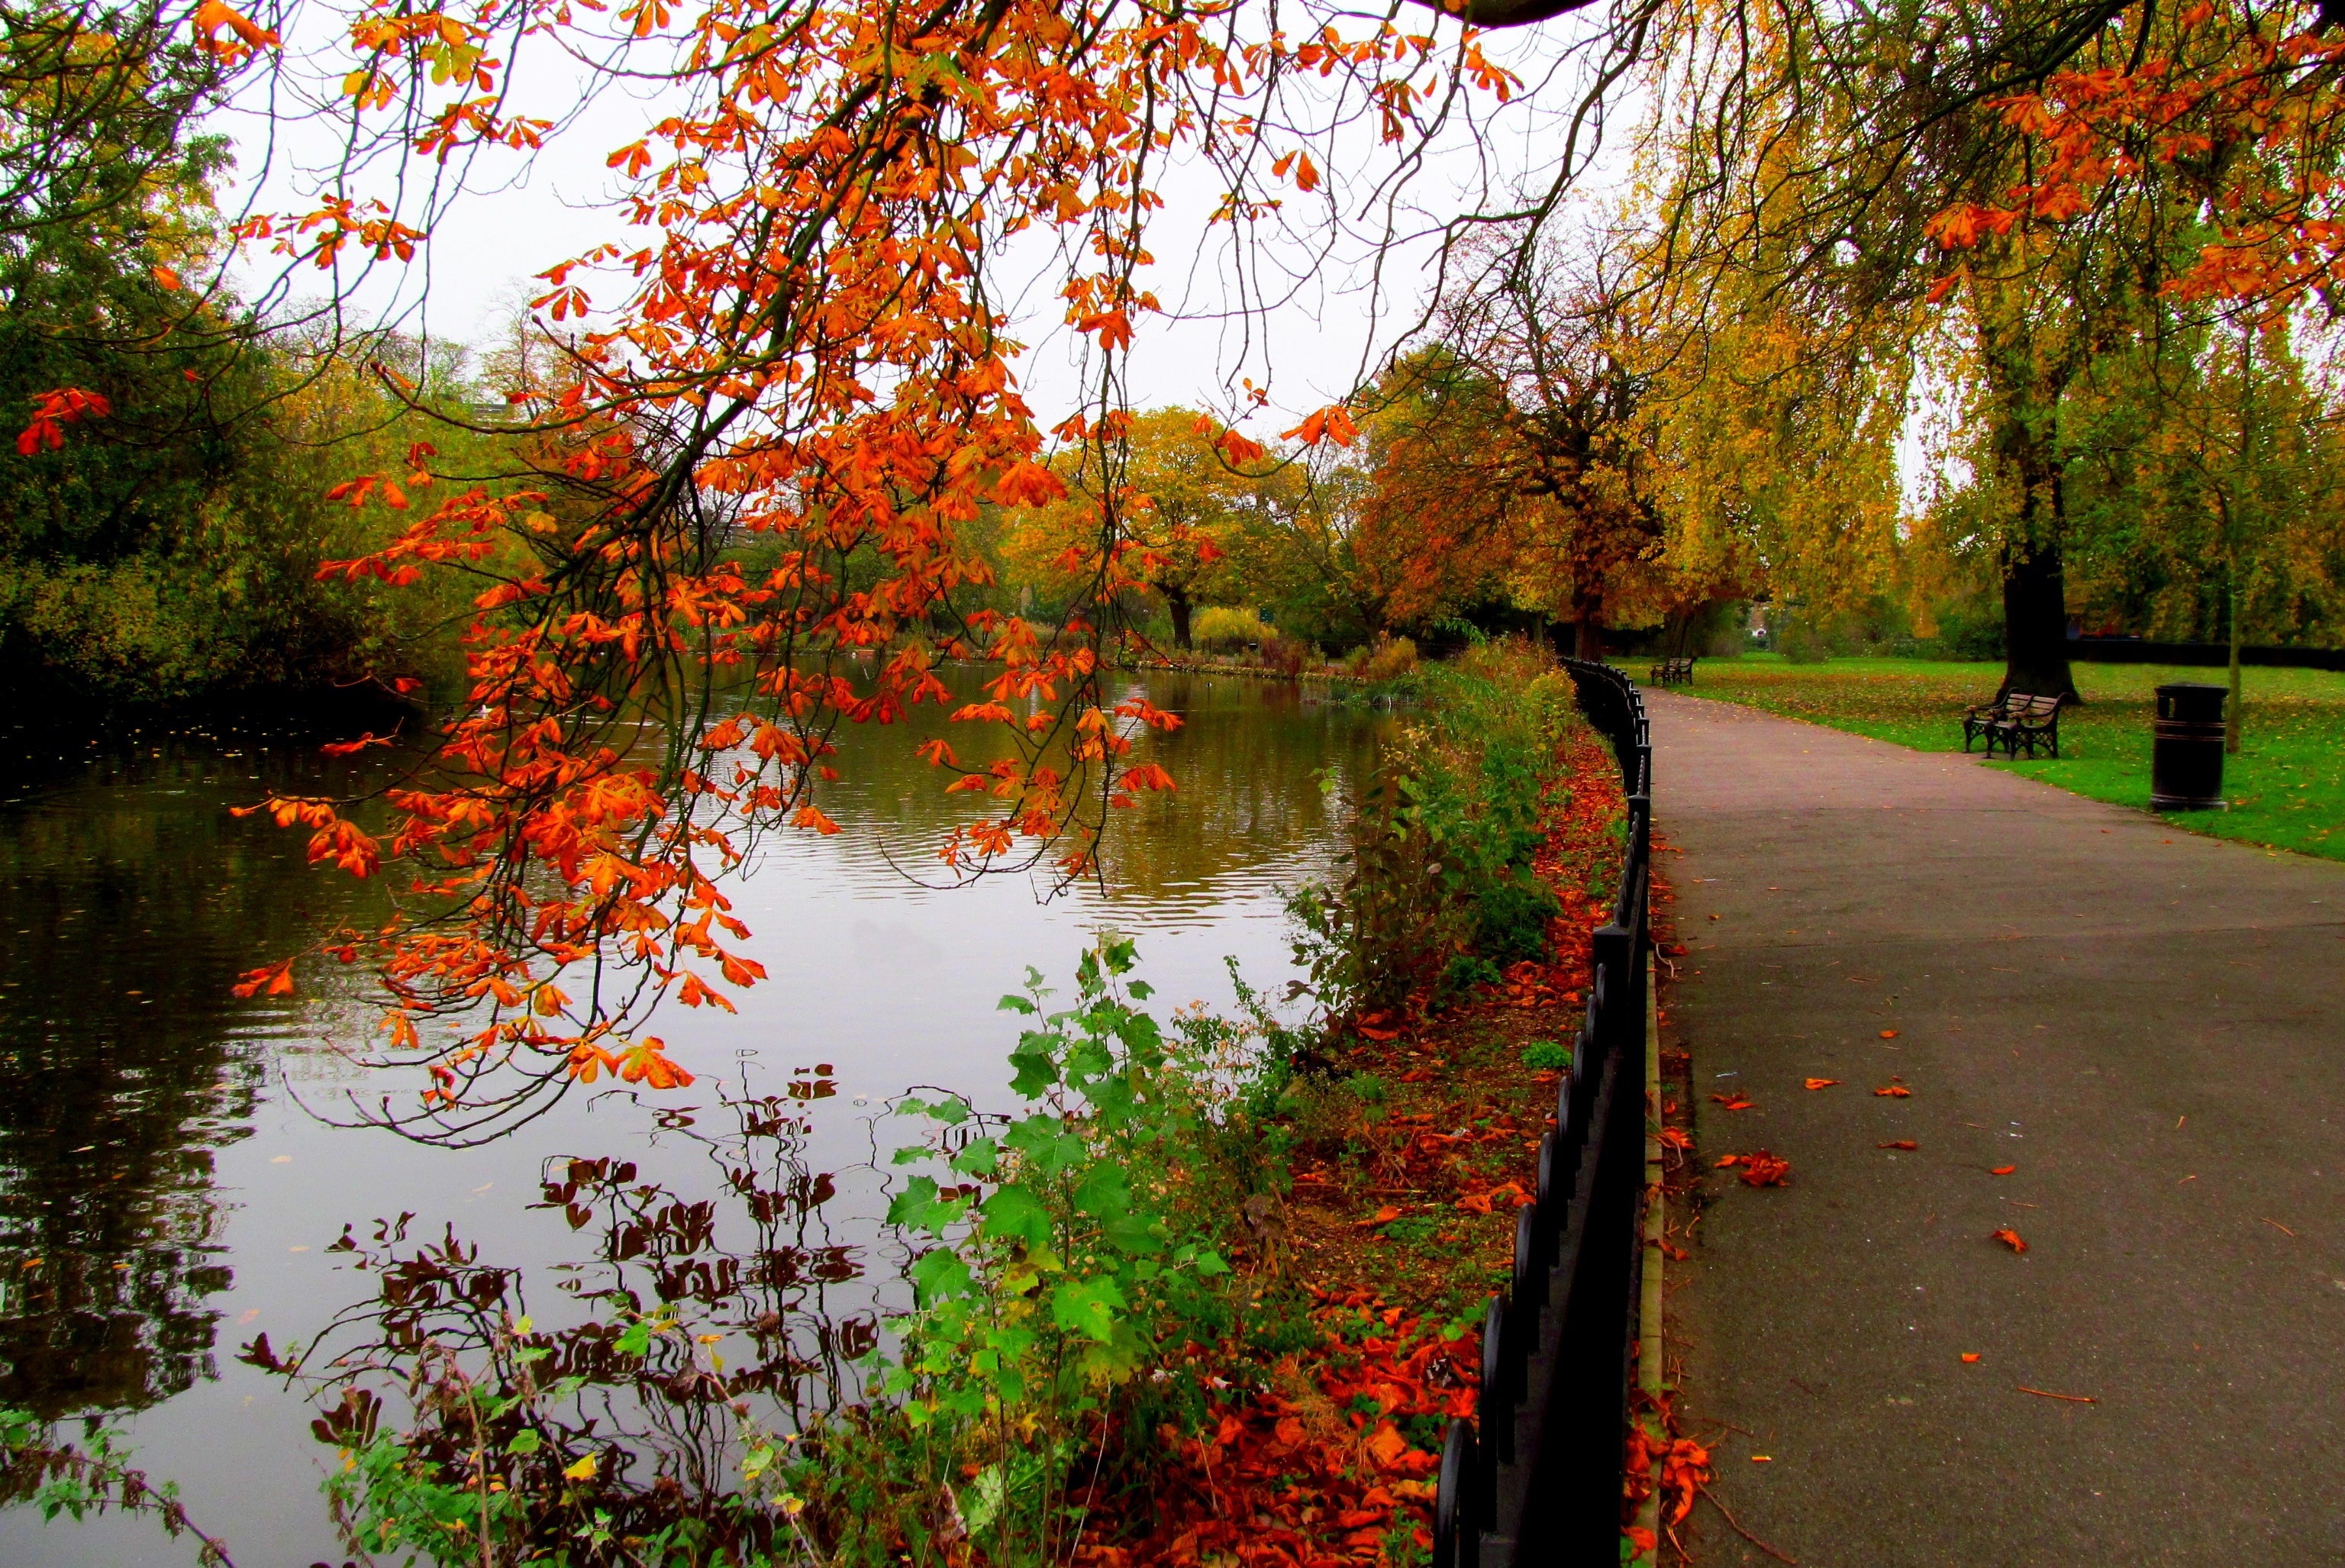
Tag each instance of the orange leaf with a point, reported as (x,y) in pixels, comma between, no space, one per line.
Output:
(1896,1091)
(1889,1034)
(1383,1216)
(1821,1083)
(1899,1144)
(1734,1102)
(2010,1238)
(1969,1356)
(2002,1170)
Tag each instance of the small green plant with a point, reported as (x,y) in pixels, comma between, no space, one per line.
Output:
(1547,1057)
(1067,1250)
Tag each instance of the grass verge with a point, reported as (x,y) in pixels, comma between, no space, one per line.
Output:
(2286,787)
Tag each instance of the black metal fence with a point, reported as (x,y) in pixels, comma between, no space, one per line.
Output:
(1537,1477)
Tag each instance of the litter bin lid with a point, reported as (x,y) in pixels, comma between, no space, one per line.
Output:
(2192,699)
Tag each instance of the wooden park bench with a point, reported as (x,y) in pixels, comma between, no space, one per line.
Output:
(2014,719)
(1677,670)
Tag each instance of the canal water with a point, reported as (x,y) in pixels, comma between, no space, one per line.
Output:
(176,1167)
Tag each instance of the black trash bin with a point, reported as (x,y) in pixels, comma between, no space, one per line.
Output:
(2186,754)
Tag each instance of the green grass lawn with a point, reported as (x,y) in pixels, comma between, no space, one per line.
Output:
(2286,787)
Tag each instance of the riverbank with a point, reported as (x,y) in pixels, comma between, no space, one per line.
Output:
(1219,1226)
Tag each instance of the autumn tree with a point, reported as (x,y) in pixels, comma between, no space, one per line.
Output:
(1180,499)
(800,333)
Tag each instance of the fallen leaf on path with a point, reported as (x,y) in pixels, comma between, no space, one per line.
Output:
(1734,1102)
(1759,1168)
(1969,1356)
(2010,1238)
(2002,1170)
(1821,1083)
(1898,1091)
(1889,1034)
(1899,1144)
(1383,1216)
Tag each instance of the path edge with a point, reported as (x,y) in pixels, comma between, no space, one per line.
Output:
(1648,1305)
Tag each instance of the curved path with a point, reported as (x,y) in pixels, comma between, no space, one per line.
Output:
(2149,1025)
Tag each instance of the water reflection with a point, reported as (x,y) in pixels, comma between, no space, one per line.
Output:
(754,1294)
(128,900)
(179,1202)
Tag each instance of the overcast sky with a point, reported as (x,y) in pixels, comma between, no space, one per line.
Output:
(521,215)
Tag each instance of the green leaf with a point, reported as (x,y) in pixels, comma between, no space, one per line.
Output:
(1089,1306)
(978,1158)
(1034,1071)
(1014,1214)
(940,1276)
(918,1194)
(1135,1234)
(525,1440)
(1014,1003)
(1045,1145)
(1104,1193)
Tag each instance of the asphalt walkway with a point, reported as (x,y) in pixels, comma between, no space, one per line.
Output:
(2148,1025)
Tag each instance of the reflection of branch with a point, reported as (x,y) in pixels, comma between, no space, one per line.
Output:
(97,1477)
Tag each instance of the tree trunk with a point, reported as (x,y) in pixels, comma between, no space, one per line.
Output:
(1177,601)
(2035,584)
(1588,637)
(2231,710)
(2036,622)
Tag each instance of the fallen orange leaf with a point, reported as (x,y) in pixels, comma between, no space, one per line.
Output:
(1889,1034)
(1898,1090)
(1899,1144)
(1821,1083)
(2002,1170)
(2011,1239)
(1733,1102)
(1759,1168)
(1383,1216)
(1970,1356)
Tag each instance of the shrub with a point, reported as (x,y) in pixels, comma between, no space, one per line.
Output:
(1221,629)
(1286,656)
(1440,891)
(1388,658)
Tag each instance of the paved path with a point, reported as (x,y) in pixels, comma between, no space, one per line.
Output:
(2151,1026)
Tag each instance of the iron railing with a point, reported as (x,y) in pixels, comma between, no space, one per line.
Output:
(1537,1476)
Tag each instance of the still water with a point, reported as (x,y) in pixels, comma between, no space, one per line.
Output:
(172,1171)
